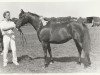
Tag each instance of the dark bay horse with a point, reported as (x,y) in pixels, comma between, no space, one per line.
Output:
(58,33)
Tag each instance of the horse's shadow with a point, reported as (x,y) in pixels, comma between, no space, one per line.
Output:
(56,59)
(25,58)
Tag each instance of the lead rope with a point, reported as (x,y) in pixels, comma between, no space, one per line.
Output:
(23,39)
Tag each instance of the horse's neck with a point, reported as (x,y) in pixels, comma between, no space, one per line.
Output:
(37,25)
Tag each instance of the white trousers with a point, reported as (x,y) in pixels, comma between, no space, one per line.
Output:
(9,41)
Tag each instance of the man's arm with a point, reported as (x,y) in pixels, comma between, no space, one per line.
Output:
(5,29)
(12,26)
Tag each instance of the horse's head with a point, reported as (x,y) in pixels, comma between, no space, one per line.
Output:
(27,17)
(23,18)
(32,18)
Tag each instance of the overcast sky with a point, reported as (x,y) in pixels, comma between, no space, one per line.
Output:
(53,9)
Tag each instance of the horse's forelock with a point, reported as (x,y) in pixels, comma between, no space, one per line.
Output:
(21,14)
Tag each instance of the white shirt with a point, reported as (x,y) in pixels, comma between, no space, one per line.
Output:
(7,24)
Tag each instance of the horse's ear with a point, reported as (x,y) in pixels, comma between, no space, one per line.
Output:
(22,11)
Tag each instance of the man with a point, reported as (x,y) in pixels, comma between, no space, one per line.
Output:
(7,27)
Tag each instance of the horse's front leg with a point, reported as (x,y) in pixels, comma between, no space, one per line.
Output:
(50,53)
(44,45)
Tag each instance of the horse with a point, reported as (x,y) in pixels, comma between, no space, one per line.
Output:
(59,33)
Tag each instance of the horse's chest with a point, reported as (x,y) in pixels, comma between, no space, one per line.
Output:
(44,34)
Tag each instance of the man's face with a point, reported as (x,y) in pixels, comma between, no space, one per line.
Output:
(7,16)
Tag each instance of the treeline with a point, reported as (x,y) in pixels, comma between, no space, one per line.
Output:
(94,20)
(65,19)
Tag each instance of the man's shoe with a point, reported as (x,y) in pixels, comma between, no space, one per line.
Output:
(5,64)
(16,63)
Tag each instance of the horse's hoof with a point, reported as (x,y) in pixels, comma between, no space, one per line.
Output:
(43,67)
(46,65)
(87,65)
(52,61)
(79,63)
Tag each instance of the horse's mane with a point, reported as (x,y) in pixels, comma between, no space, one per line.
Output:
(33,14)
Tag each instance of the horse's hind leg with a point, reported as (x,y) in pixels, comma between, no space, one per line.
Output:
(79,50)
(50,53)
(87,57)
(86,48)
(44,45)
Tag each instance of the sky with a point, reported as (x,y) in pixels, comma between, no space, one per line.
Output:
(79,8)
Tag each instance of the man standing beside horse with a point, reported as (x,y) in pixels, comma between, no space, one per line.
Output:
(7,27)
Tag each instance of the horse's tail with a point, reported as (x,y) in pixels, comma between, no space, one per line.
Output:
(86,43)
(86,38)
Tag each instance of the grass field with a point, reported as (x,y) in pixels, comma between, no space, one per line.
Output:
(65,55)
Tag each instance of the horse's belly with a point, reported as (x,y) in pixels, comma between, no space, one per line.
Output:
(60,41)
(60,37)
